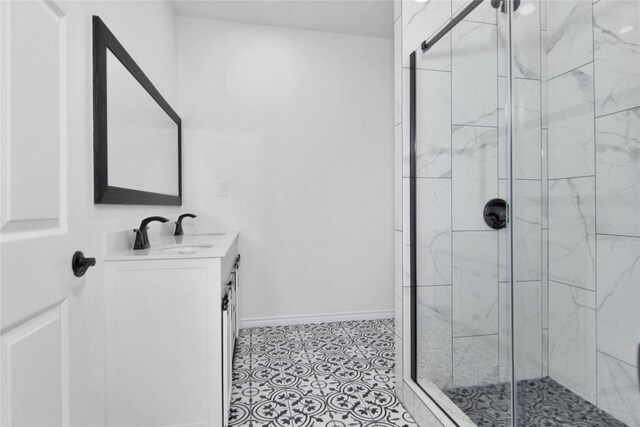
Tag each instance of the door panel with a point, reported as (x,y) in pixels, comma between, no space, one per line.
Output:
(36,249)
(34,371)
(35,258)
(34,115)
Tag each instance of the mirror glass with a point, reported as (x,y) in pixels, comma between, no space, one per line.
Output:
(143,149)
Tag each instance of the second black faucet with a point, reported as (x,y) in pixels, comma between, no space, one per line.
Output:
(179,231)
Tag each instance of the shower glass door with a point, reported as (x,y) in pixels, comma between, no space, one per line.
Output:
(459,191)
(525,213)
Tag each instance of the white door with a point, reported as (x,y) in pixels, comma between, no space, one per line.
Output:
(37,234)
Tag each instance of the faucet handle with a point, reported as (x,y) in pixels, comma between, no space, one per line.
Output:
(179,231)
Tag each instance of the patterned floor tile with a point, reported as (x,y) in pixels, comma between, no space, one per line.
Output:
(542,402)
(326,375)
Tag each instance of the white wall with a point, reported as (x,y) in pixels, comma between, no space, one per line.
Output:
(147,31)
(300,126)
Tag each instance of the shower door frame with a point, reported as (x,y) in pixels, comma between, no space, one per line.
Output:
(425,45)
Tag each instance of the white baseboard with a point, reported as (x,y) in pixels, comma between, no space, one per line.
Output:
(252,322)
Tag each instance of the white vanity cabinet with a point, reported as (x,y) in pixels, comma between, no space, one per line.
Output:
(164,338)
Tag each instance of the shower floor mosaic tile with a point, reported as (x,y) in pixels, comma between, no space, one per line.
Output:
(543,402)
(326,375)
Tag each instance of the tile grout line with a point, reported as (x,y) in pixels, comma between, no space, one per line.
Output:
(617,359)
(350,381)
(569,71)
(315,376)
(573,286)
(389,387)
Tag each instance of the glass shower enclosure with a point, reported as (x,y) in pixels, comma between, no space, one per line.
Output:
(524,200)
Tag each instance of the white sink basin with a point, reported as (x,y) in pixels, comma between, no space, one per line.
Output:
(185,249)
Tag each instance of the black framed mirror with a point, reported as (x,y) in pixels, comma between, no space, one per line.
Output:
(137,136)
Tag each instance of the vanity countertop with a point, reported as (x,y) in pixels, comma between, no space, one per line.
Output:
(198,245)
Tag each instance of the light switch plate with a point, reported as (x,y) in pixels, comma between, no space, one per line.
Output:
(223,189)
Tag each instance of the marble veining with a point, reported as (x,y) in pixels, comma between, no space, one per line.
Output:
(618,173)
(417,19)
(619,297)
(572,231)
(569,35)
(406,122)
(437,58)
(475,283)
(526,128)
(527,318)
(525,36)
(570,121)
(527,263)
(433,124)
(618,389)
(526,231)
(572,338)
(434,334)
(475,177)
(474,71)
(433,199)
(617,55)
(484,13)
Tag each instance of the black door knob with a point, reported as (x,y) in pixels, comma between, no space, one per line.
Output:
(80,264)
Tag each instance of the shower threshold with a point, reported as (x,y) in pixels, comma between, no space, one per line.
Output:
(542,402)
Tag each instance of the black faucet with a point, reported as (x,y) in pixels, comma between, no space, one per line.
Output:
(142,239)
(179,231)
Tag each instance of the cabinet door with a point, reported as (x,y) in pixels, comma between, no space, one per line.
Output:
(163,326)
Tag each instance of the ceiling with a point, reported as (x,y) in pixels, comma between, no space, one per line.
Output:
(372,18)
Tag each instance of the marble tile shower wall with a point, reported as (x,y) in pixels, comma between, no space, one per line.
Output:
(593,169)
(577,96)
